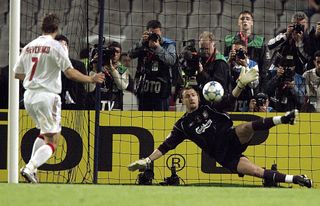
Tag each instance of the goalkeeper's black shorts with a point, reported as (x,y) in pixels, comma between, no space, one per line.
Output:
(229,150)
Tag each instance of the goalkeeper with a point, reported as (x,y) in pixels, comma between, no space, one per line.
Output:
(214,133)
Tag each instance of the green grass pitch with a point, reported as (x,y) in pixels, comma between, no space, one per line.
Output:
(129,195)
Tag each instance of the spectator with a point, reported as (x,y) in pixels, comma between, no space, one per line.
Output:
(281,85)
(315,46)
(255,44)
(117,78)
(156,58)
(260,103)
(237,60)
(293,41)
(73,94)
(213,65)
(312,82)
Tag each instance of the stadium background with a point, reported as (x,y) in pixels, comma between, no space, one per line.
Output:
(294,150)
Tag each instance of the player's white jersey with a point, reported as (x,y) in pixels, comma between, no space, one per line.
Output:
(42,61)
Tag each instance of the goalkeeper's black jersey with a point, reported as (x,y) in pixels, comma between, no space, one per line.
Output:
(206,127)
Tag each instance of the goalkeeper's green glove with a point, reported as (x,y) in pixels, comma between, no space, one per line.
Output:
(139,164)
(246,76)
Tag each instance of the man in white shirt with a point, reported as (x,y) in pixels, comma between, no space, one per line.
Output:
(39,66)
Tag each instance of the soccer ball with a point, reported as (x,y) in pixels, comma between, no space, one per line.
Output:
(213,91)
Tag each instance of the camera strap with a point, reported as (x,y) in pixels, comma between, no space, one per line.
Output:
(212,58)
(244,38)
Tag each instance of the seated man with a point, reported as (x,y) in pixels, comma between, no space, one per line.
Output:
(214,132)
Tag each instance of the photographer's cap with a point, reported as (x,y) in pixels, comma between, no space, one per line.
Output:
(287,61)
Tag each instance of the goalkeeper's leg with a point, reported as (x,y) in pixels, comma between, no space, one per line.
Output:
(248,168)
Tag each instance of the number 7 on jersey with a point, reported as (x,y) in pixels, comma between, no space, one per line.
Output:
(35,61)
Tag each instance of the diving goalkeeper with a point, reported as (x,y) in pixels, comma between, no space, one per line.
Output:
(213,131)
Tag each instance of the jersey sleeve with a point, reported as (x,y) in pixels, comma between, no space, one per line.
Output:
(172,141)
(62,58)
(18,67)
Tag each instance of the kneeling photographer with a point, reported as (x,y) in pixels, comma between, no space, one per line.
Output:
(280,85)
(117,77)
(156,60)
(260,103)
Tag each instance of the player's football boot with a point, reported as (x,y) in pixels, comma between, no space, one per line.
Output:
(303,180)
(290,117)
(28,175)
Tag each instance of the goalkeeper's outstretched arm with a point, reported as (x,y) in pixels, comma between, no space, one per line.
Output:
(142,163)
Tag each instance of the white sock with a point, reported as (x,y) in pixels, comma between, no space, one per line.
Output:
(276,120)
(36,145)
(289,178)
(40,157)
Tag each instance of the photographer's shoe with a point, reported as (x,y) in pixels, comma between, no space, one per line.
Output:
(303,180)
(28,175)
(290,117)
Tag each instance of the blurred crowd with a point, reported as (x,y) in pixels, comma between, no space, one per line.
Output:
(288,65)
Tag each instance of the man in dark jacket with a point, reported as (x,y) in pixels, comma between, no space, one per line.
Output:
(156,58)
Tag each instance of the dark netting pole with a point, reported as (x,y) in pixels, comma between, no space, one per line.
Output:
(98,96)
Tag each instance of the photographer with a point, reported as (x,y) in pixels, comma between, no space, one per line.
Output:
(312,82)
(117,77)
(294,41)
(281,85)
(213,65)
(260,103)
(156,59)
(237,60)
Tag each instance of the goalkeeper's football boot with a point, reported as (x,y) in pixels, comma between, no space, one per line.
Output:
(28,175)
(290,117)
(303,180)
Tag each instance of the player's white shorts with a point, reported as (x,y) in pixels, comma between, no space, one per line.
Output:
(45,109)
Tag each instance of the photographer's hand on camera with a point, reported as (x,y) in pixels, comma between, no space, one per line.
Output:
(154,44)
(232,57)
(280,71)
(289,30)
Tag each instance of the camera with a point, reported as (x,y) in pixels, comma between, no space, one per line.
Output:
(298,28)
(261,99)
(174,179)
(240,53)
(153,36)
(189,58)
(107,54)
(146,177)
